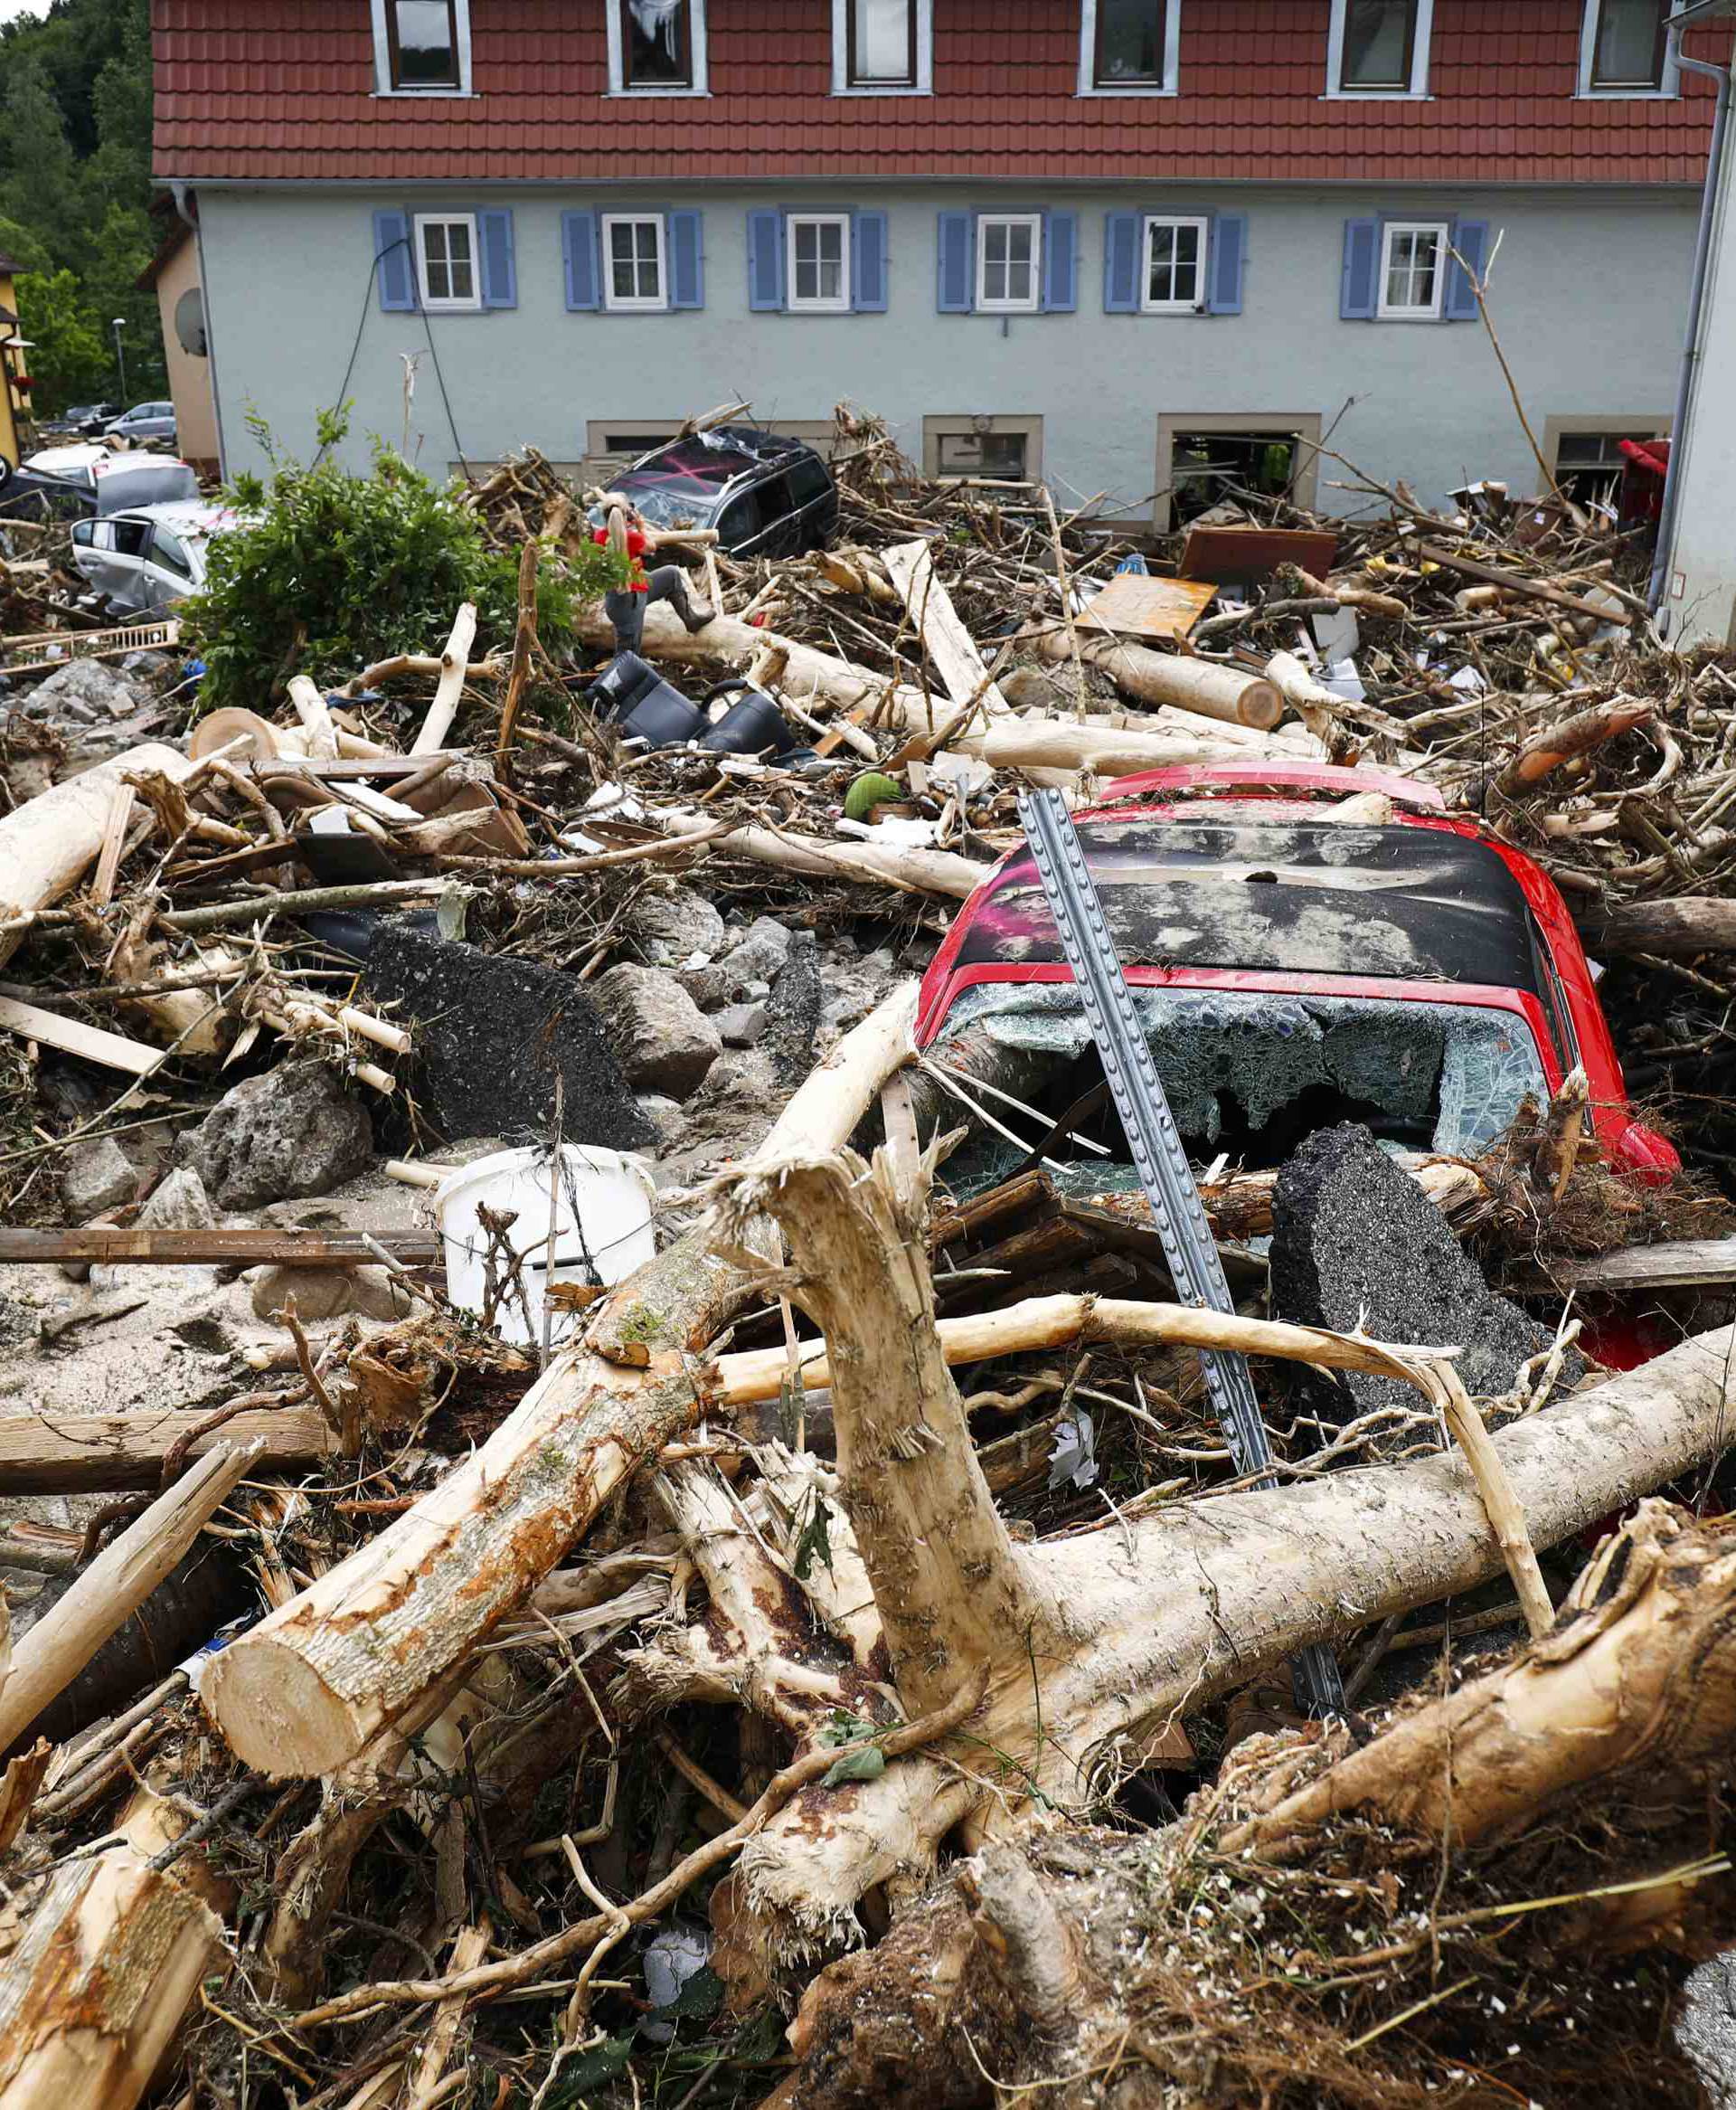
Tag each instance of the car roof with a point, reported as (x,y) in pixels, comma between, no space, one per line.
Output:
(714,459)
(181,518)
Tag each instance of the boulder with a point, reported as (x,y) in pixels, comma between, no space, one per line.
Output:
(1705,2027)
(96,1175)
(668,1122)
(661,1037)
(179,1203)
(299,1130)
(1355,1241)
(671,923)
(492,1034)
(740,1025)
(758,956)
(326,1293)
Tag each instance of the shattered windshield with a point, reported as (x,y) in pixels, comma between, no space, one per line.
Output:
(1248,1072)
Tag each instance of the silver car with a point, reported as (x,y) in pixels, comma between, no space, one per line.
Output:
(144,422)
(145,560)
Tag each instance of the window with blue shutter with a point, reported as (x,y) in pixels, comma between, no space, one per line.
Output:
(687,261)
(955,263)
(1059,262)
(1123,235)
(1470,238)
(499,274)
(395,268)
(1229,251)
(1359,283)
(868,264)
(766,260)
(579,252)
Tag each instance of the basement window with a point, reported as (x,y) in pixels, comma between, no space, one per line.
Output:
(446,261)
(657,47)
(1218,463)
(1001,450)
(1589,466)
(422,47)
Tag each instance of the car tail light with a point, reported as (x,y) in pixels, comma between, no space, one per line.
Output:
(1652,1159)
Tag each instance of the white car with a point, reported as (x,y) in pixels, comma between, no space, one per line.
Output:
(118,480)
(147,558)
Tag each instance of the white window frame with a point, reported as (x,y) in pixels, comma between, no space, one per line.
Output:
(447,306)
(1418,91)
(638,304)
(383,58)
(1668,91)
(1034,220)
(1087,55)
(793,303)
(617,57)
(1389,228)
(924,54)
(1148,306)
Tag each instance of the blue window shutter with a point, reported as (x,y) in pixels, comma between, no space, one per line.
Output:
(766,260)
(1121,232)
(868,264)
(1059,262)
(1357,289)
(687,260)
(499,274)
(578,248)
(1229,251)
(396,268)
(955,263)
(1470,238)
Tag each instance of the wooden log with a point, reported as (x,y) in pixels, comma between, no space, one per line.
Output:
(1167,677)
(1518,582)
(1549,748)
(1675,929)
(311,709)
(73,1037)
(92,1453)
(105,1968)
(113,1587)
(232,915)
(116,1247)
(454,665)
(46,843)
(1703,1263)
(929,871)
(949,645)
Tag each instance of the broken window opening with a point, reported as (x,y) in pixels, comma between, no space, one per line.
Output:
(1589,467)
(1208,468)
(1248,1073)
(656,44)
(997,457)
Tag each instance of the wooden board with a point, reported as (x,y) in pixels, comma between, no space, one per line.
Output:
(92,1453)
(1136,606)
(1681,1263)
(1237,556)
(72,1036)
(111,1244)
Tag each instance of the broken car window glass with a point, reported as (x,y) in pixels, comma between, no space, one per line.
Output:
(657,44)
(1130,43)
(1174,262)
(1380,44)
(883,43)
(1630,45)
(424,43)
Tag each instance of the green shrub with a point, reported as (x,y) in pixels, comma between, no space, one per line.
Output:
(338,570)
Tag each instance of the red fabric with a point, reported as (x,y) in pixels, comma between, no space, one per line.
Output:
(636,546)
(282,89)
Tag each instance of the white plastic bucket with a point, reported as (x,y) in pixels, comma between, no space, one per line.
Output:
(602,1229)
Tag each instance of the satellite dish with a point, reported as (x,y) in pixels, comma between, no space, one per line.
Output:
(190,322)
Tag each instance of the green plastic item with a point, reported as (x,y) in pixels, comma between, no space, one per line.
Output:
(873,788)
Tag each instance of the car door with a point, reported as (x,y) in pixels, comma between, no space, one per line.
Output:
(814,500)
(756,521)
(111,554)
(167,574)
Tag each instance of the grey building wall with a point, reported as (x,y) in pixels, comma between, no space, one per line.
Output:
(1589,291)
(1700,587)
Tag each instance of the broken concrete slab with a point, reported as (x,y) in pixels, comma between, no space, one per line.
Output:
(661,1037)
(1355,1241)
(298,1129)
(492,1035)
(87,692)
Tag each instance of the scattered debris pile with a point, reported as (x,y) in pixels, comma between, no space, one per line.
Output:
(508,1601)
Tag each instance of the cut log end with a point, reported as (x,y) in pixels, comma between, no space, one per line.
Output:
(279,1714)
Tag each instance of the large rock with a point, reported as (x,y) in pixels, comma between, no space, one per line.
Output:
(491,1036)
(661,1037)
(179,1203)
(1705,2027)
(96,1175)
(757,957)
(1357,1242)
(298,1129)
(671,923)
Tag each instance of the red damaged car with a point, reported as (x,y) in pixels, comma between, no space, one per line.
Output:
(1296,963)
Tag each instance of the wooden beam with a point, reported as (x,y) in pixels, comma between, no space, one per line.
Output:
(1516,583)
(113,1245)
(73,1037)
(96,1453)
(1679,1264)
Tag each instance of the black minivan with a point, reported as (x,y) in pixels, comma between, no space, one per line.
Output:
(766,496)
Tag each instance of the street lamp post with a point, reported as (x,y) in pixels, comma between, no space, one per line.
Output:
(119,325)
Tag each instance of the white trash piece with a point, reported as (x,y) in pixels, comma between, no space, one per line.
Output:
(602,1229)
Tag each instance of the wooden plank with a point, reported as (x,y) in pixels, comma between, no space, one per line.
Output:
(115,1246)
(1517,582)
(1141,607)
(1682,1264)
(1237,556)
(92,1453)
(72,1036)
(910,565)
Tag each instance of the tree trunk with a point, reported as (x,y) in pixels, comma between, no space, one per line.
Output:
(1199,685)
(99,1453)
(930,871)
(455,664)
(1677,930)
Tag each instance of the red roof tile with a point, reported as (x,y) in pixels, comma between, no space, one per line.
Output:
(280,90)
